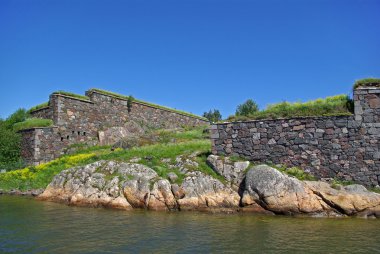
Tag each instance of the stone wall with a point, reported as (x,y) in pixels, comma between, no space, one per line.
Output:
(79,120)
(45,112)
(41,144)
(344,147)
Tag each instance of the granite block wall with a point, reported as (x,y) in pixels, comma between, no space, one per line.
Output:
(343,147)
(80,120)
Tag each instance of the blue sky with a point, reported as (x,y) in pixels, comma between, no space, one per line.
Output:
(193,55)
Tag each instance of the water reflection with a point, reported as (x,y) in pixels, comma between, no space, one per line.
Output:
(29,226)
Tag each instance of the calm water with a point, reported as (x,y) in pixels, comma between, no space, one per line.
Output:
(29,226)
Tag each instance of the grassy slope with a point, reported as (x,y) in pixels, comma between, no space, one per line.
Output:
(186,143)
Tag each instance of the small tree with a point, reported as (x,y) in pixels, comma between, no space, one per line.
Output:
(10,140)
(129,103)
(213,115)
(247,108)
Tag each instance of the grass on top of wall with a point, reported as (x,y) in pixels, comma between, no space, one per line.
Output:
(367,82)
(123,97)
(37,107)
(73,95)
(330,106)
(32,123)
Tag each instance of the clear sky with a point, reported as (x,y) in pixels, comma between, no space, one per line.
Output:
(193,55)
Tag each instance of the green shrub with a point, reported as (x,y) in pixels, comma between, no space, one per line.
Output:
(130,102)
(10,141)
(213,115)
(19,115)
(371,82)
(32,123)
(247,108)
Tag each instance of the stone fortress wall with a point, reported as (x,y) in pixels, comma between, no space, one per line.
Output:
(78,120)
(343,147)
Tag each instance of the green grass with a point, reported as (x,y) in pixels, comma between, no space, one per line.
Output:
(123,97)
(32,123)
(367,82)
(330,106)
(39,106)
(73,95)
(151,155)
(336,183)
(296,172)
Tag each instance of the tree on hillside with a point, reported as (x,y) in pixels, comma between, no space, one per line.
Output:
(247,108)
(10,157)
(213,115)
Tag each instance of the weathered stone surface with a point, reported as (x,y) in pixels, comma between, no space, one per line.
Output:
(172,177)
(282,194)
(91,185)
(233,172)
(127,186)
(113,134)
(203,191)
(161,196)
(279,193)
(265,190)
(350,200)
(137,192)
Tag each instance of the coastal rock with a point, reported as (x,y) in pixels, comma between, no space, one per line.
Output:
(233,172)
(280,193)
(137,192)
(96,184)
(201,191)
(264,190)
(351,200)
(283,194)
(161,196)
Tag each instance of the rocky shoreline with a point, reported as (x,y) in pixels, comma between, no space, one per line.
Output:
(244,188)
(33,192)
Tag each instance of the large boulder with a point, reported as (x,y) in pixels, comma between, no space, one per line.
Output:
(161,196)
(280,193)
(351,200)
(97,184)
(202,191)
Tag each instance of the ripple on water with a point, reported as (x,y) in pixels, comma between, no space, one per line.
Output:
(30,226)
